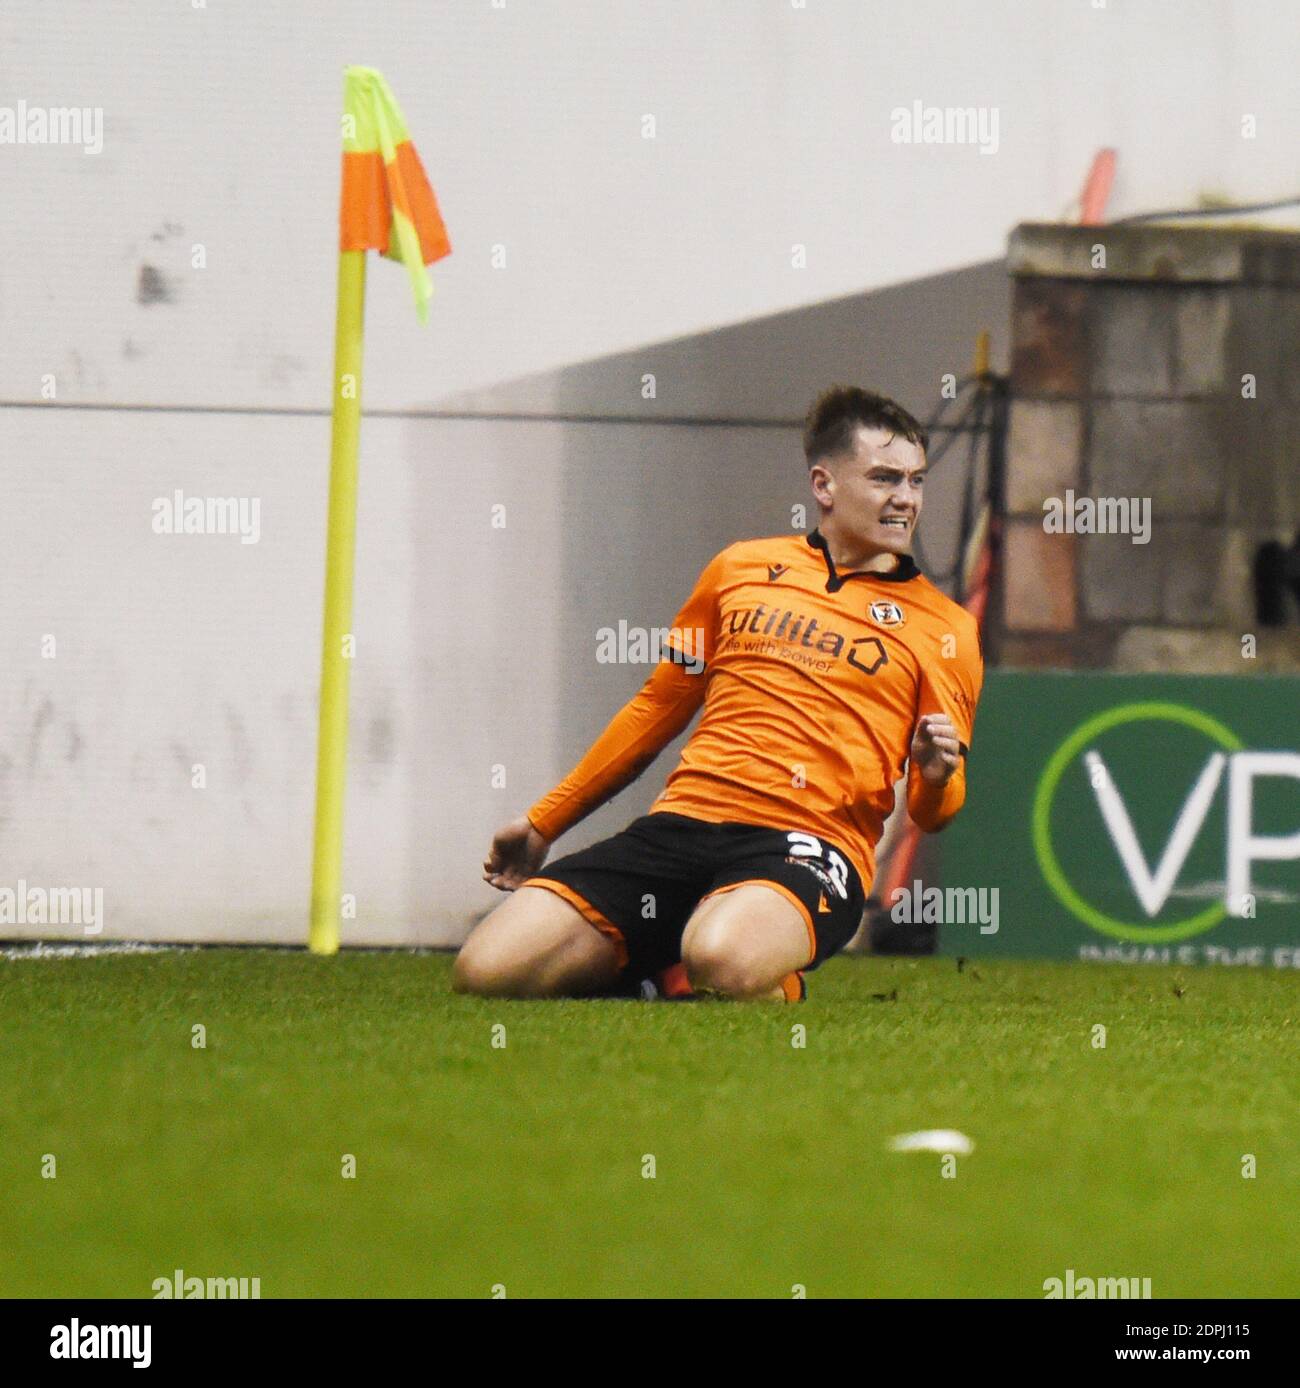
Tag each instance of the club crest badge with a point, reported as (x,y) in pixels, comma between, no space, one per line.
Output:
(886,614)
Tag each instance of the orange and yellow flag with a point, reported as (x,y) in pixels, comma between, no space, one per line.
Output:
(387,204)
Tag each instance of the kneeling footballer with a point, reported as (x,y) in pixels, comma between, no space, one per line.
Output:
(825,664)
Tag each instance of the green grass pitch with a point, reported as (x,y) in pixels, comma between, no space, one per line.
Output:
(522,1166)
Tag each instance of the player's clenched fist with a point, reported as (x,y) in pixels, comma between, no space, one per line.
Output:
(517,852)
(936,748)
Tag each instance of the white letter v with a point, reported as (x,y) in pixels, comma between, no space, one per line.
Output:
(1153,891)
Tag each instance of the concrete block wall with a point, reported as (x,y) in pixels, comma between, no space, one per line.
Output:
(1159,364)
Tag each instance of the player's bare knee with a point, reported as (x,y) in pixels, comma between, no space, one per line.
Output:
(716,959)
(534,945)
(733,978)
(492,959)
(466,977)
(481,971)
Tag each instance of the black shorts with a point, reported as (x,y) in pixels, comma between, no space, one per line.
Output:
(641,886)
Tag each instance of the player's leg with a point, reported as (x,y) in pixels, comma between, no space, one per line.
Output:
(780,902)
(594,922)
(746,940)
(536,945)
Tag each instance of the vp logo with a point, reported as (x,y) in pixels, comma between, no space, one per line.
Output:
(1153,883)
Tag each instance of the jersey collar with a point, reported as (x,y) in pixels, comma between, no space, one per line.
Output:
(835,580)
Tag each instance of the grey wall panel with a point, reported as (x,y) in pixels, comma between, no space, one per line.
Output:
(774,129)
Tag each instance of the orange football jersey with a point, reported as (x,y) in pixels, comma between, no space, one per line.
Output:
(814,681)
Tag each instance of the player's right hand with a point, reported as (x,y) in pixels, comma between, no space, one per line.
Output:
(518,850)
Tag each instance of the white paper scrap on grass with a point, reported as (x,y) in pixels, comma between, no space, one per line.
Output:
(933,1140)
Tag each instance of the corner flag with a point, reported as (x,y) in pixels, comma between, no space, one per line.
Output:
(386,205)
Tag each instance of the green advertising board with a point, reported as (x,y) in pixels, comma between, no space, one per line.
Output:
(1133,818)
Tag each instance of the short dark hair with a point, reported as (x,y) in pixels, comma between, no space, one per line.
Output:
(838,413)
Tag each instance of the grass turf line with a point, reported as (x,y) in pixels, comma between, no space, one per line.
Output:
(522,1166)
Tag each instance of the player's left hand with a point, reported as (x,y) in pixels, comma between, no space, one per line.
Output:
(936,748)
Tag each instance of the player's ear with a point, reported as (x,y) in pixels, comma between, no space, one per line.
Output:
(822,481)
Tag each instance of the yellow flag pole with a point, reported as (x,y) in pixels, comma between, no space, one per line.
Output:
(336,640)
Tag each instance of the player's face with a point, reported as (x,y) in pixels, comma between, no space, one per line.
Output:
(874,493)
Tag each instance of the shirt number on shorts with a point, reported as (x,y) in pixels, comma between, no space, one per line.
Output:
(807,846)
